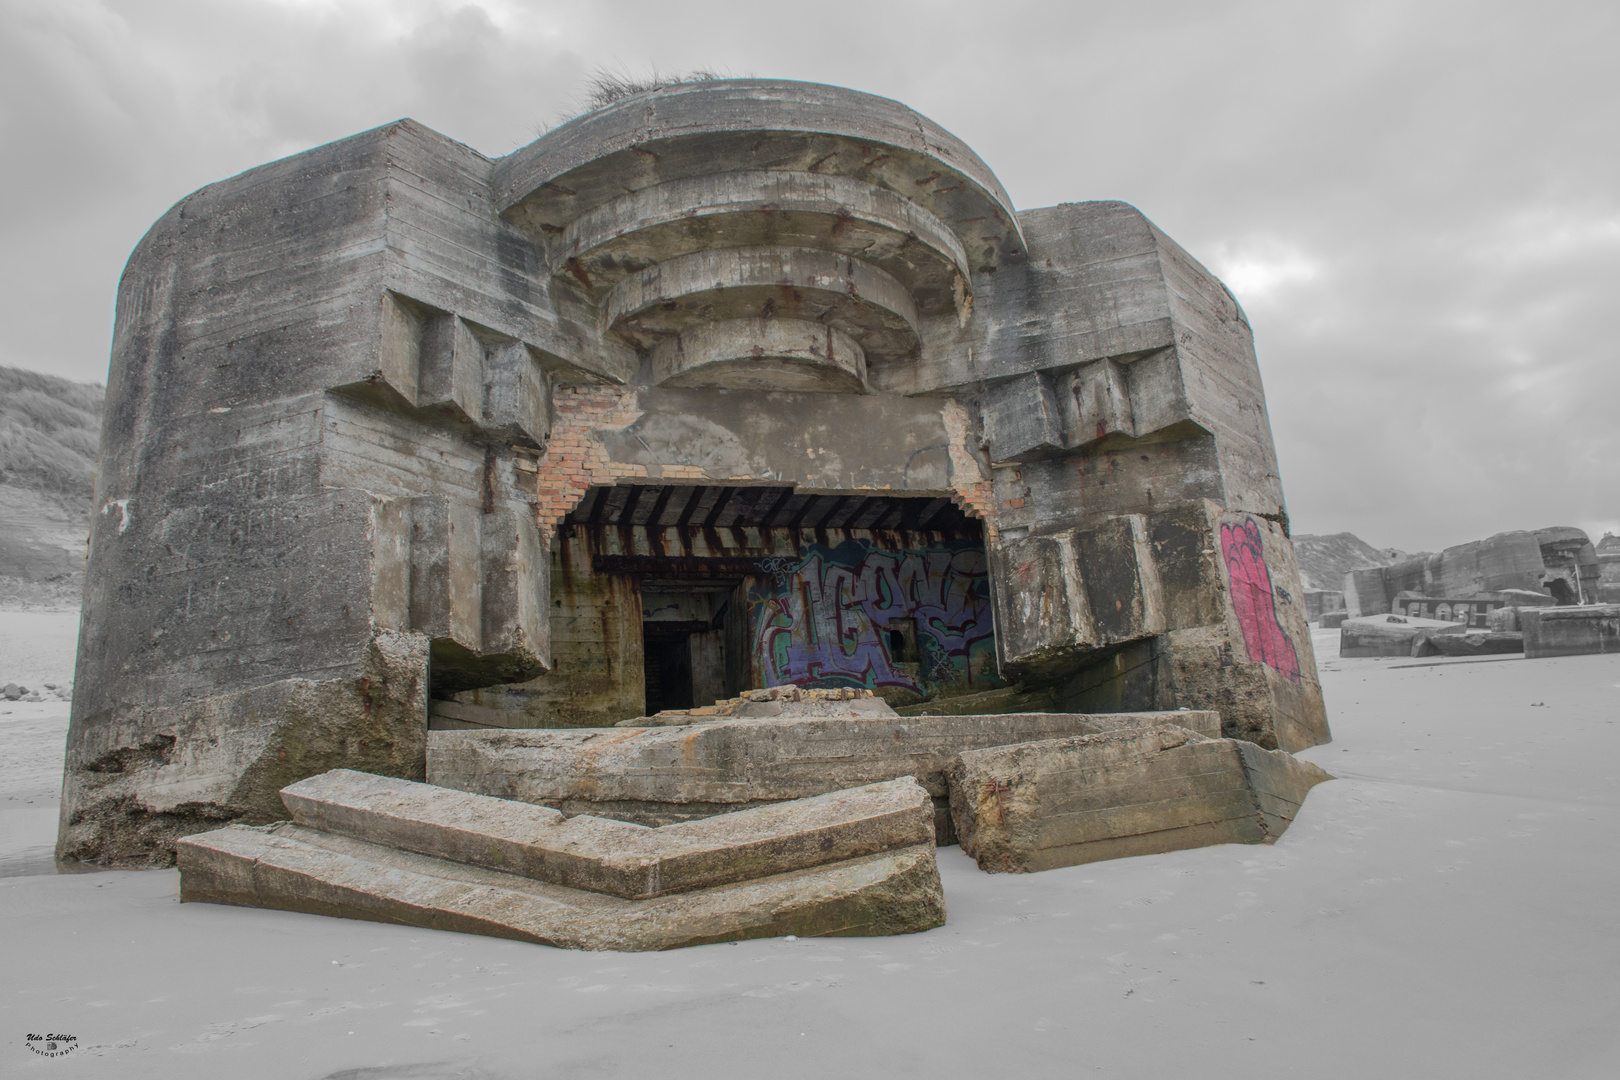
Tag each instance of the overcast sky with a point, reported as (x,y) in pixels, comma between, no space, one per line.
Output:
(1417,203)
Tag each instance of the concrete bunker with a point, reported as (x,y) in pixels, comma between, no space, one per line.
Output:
(376,411)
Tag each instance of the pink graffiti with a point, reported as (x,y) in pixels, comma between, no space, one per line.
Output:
(826,622)
(1254,601)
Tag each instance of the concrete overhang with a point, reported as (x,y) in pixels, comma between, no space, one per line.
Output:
(735,125)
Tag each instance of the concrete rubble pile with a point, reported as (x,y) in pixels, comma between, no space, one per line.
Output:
(742,826)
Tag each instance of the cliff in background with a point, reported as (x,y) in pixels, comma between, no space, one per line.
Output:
(1324,560)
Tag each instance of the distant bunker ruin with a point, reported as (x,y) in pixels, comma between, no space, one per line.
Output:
(730,386)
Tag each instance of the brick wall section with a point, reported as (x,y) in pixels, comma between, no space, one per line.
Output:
(574,459)
(975,499)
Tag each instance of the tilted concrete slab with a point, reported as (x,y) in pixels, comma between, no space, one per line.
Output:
(1062,802)
(605,856)
(1388,635)
(659,775)
(292,868)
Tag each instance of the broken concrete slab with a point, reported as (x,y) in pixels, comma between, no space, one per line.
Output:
(659,775)
(773,701)
(1062,802)
(1570,631)
(606,856)
(292,868)
(1388,635)
(1471,643)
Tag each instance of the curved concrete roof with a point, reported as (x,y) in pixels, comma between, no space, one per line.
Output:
(699,129)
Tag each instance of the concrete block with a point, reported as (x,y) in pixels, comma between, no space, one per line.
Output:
(1319,602)
(516,395)
(1052,613)
(446,565)
(600,855)
(1333,620)
(1365,593)
(1570,631)
(1042,615)
(1097,405)
(516,631)
(292,868)
(1062,802)
(1023,420)
(659,775)
(1387,635)
(450,375)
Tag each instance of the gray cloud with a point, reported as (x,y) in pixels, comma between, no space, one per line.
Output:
(1419,205)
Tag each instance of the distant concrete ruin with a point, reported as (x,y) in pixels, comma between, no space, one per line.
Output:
(1555,565)
(1608,556)
(1541,593)
(730,385)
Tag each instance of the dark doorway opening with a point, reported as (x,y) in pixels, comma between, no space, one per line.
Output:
(746,587)
(668,662)
(684,632)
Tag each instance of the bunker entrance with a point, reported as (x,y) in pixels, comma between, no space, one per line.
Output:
(674,597)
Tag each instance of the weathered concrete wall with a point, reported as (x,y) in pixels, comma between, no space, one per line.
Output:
(1320,601)
(299,501)
(596,675)
(1185,607)
(354,393)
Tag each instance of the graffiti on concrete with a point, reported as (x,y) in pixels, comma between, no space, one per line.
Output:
(1254,600)
(1469,612)
(856,615)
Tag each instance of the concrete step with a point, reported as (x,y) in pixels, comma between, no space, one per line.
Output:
(293,868)
(1062,802)
(601,855)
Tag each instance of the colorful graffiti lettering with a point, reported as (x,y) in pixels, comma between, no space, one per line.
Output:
(1254,600)
(826,621)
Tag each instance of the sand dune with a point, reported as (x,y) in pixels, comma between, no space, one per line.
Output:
(1445,908)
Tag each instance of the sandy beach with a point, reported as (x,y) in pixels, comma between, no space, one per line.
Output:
(1444,908)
